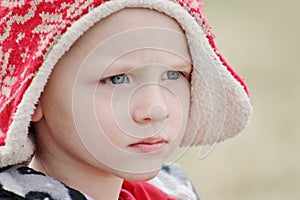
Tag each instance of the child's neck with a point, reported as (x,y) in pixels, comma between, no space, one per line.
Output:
(89,180)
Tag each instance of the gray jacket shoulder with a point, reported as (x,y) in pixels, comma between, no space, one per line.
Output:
(172,180)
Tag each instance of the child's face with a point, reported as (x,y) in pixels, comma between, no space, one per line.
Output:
(127,109)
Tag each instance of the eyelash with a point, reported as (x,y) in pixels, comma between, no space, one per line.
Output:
(110,80)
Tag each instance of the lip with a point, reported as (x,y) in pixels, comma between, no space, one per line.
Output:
(149,145)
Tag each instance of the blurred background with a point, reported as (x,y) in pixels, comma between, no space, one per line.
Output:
(260,39)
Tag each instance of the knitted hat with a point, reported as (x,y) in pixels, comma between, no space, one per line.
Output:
(34,35)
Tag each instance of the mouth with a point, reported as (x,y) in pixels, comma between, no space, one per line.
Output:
(149,145)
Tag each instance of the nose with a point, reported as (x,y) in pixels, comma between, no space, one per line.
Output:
(149,104)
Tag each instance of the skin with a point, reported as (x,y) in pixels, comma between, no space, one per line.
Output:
(60,151)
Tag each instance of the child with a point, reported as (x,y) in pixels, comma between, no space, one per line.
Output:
(109,89)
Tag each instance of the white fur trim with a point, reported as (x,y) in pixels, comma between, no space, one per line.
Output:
(18,146)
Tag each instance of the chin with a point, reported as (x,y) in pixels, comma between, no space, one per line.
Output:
(137,177)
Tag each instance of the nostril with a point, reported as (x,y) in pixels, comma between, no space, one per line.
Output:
(157,113)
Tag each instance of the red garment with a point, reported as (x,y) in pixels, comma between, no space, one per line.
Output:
(142,191)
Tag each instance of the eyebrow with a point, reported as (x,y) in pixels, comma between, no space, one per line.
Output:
(129,66)
(185,66)
(128,62)
(166,62)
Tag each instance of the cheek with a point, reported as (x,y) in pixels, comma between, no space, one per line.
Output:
(57,110)
(178,105)
(106,118)
(103,111)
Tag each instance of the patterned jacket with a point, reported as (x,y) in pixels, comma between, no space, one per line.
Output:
(20,182)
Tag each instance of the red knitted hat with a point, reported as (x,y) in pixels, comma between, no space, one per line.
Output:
(34,35)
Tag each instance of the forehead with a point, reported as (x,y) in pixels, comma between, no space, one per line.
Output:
(125,20)
(118,23)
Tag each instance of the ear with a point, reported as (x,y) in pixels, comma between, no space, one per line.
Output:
(37,114)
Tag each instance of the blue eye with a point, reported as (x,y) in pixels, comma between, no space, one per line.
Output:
(115,80)
(171,75)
